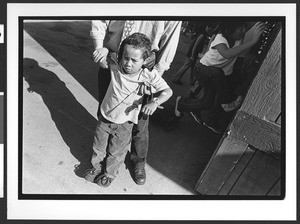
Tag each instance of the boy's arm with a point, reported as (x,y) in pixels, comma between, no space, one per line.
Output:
(151,107)
(234,52)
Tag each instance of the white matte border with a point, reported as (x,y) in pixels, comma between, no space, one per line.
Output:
(1,169)
(150,210)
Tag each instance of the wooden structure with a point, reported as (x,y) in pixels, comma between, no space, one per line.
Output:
(247,160)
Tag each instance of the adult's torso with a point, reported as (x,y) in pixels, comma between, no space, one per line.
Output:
(152,29)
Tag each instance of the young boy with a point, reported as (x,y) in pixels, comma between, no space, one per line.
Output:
(121,106)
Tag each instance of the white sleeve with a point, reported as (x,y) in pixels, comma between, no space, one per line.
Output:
(98,29)
(157,82)
(219,39)
(168,45)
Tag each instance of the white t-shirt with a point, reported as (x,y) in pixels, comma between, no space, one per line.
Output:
(122,101)
(213,58)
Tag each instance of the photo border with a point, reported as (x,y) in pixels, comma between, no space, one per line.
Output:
(183,202)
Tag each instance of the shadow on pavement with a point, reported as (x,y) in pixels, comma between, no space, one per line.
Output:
(70,44)
(74,123)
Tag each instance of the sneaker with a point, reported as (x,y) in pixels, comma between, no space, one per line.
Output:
(233,105)
(91,174)
(214,128)
(104,181)
(196,117)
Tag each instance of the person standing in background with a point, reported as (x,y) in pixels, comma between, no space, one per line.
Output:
(107,36)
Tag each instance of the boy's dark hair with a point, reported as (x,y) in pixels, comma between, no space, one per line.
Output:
(138,41)
(214,26)
(227,28)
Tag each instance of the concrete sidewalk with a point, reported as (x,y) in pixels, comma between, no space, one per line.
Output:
(59,117)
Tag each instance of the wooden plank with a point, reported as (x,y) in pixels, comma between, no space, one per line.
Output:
(276,189)
(267,83)
(220,166)
(237,171)
(259,176)
(274,110)
(256,132)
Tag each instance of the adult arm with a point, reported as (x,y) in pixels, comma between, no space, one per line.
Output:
(98,32)
(167,46)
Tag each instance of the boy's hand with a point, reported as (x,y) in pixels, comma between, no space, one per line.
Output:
(149,108)
(258,28)
(99,55)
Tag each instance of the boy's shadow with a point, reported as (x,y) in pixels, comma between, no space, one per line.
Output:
(73,121)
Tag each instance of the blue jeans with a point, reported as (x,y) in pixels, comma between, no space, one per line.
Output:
(140,133)
(113,142)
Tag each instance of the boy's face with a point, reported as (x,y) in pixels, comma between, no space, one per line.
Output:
(132,59)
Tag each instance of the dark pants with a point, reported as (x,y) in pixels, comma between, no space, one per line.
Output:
(214,77)
(215,90)
(237,84)
(140,133)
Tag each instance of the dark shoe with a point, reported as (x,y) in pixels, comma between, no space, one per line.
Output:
(214,127)
(139,176)
(91,174)
(104,181)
